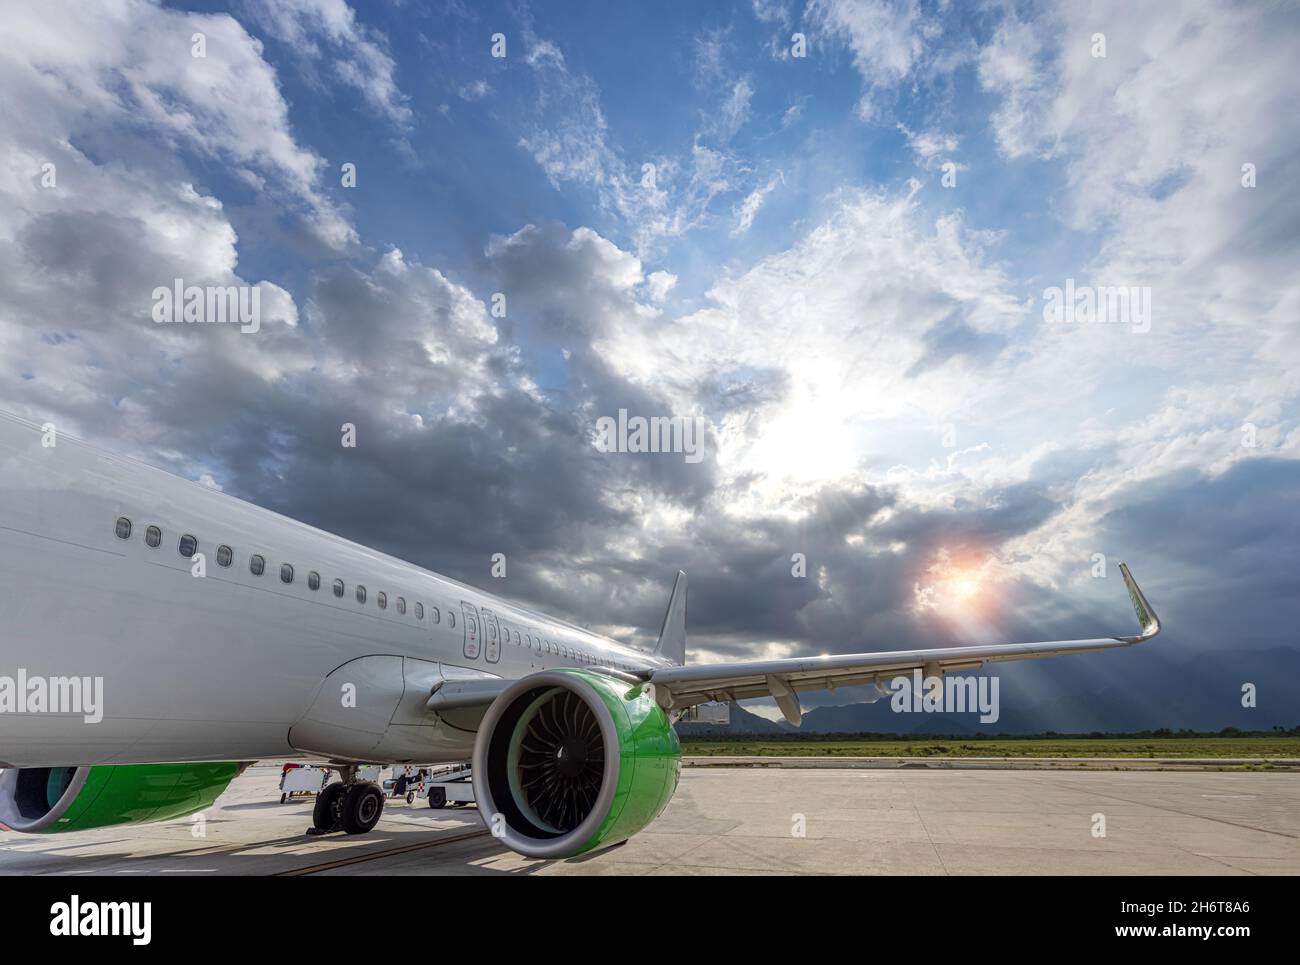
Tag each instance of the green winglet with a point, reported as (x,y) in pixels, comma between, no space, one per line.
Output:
(1147,619)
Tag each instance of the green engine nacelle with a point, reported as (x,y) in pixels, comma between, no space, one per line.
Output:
(567,761)
(52,799)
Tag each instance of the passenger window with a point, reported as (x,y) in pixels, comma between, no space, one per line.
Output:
(451,619)
(153,536)
(338,589)
(189,546)
(224,555)
(435,616)
(401,605)
(361,593)
(382,600)
(286,573)
(419,610)
(313,580)
(256,565)
(518,640)
(123,528)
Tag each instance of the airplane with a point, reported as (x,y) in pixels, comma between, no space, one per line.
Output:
(160,635)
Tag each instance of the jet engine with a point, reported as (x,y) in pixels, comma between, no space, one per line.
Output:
(567,761)
(48,799)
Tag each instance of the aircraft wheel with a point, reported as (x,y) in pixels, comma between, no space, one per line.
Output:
(437,797)
(325,815)
(361,808)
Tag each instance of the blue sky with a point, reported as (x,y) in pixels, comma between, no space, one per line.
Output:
(865,343)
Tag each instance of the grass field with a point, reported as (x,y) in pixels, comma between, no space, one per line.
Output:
(1207,747)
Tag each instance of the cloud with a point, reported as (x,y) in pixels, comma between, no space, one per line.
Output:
(735,109)
(884,37)
(659,198)
(1011,66)
(930,147)
(127,71)
(772,11)
(660,283)
(754,201)
(327,31)
(475,91)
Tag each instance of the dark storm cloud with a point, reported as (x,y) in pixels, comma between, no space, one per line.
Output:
(575,284)
(1225,549)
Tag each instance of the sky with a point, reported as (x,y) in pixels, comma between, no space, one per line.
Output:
(829,231)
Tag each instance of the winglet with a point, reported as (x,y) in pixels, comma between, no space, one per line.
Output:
(672,638)
(1147,619)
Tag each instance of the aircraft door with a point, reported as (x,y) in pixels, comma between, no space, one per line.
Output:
(472,631)
(491,636)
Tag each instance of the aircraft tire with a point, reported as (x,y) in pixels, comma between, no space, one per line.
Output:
(325,815)
(361,808)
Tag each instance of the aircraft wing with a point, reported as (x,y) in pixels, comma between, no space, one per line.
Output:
(680,687)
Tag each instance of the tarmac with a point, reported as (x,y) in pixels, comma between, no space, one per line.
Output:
(763,817)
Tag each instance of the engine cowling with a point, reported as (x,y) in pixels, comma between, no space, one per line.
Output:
(50,799)
(567,761)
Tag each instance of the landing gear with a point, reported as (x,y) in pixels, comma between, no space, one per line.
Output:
(362,806)
(325,815)
(351,806)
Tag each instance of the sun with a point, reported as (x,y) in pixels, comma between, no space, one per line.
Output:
(964,586)
(952,586)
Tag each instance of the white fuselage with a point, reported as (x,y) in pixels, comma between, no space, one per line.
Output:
(226,665)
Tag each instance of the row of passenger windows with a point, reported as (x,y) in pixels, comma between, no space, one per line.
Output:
(189,545)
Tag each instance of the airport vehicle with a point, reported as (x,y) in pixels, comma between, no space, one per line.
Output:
(453,788)
(159,634)
(298,779)
(406,782)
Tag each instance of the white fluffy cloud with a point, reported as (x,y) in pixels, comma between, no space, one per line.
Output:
(94,217)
